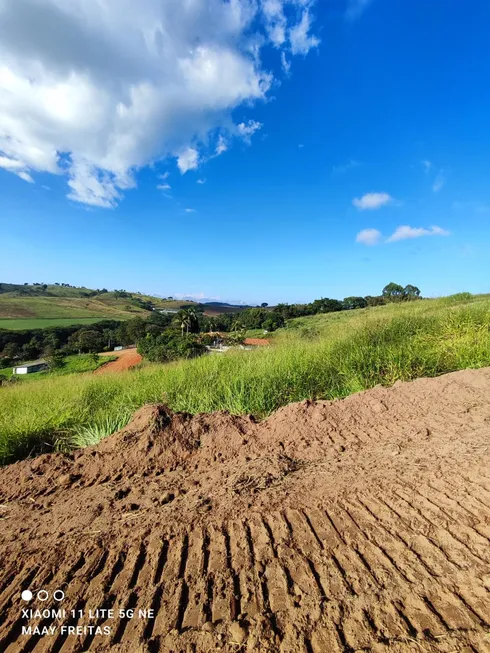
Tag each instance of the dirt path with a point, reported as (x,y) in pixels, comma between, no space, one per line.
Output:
(361,524)
(126,359)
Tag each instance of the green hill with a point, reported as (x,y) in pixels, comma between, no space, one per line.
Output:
(33,306)
(324,356)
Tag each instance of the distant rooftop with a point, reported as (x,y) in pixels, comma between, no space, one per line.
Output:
(33,363)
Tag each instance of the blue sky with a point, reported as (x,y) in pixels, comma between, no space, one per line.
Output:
(342,145)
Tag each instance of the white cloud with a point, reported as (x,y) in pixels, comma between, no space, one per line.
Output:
(190,210)
(26,177)
(221,146)
(165,175)
(188,160)
(374,237)
(17,167)
(439,182)
(286,65)
(405,232)
(355,8)
(96,89)
(427,165)
(369,237)
(201,181)
(372,201)
(300,38)
(247,130)
(164,187)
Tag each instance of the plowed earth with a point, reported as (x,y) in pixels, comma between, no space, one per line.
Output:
(361,524)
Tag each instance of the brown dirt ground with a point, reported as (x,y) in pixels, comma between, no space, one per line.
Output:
(354,525)
(126,359)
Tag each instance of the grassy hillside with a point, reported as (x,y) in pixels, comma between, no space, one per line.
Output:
(42,323)
(35,307)
(324,356)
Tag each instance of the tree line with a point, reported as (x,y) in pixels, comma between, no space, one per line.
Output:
(168,336)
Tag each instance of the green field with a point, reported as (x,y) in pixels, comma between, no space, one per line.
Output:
(17,324)
(72,365)
(323,356)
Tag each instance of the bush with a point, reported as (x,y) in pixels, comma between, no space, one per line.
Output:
(169,346)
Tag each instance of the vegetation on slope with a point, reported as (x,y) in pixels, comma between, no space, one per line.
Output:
(325,356)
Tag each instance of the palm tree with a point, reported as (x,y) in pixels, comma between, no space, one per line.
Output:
(184,322)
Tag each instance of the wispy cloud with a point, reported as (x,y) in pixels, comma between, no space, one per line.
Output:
(342,168)
(439,182)
(201,181)
(190,210)
(372,237)
(477,207)
(165,175)
(369,237)
(355,8)
(405,232)
(221,146)
(427,165)
(164,187)
(372,201)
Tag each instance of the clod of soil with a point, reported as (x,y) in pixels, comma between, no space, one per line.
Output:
(361,524)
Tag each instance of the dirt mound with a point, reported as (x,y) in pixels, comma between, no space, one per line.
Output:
(361,524)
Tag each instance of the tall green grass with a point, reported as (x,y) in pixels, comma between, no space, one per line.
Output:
(325,356)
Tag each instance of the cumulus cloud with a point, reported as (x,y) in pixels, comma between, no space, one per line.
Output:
(405,232)
(97,89)
(188,160)
(369,237)
(372,201)
(355,8)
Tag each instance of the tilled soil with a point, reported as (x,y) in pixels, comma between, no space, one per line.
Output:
(361,524)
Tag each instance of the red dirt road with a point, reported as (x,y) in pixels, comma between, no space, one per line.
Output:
(331,527)
(126,359)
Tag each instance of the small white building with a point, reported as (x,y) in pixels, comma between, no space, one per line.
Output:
(30,368)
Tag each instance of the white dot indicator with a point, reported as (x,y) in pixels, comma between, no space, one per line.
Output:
(42,595)
(59,595)
(26,595)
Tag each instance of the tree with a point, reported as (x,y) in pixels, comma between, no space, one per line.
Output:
(264,305)
(378,300)
(89,340)
(11,350)
(55,360)
(351,303)
(411,292)
(393,292)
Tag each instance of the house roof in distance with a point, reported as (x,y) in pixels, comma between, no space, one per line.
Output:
(257,342)
(41,361)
